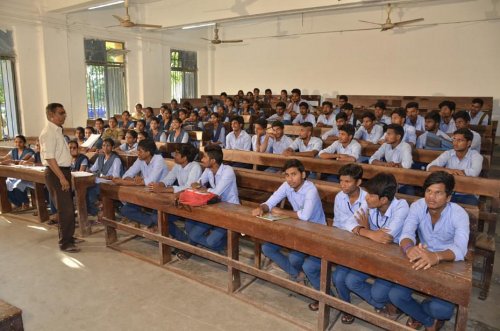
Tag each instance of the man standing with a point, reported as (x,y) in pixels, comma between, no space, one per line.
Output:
(55,155)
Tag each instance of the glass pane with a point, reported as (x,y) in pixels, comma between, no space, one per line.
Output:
(176,84)
(116,90)
(96,91)
(9,126)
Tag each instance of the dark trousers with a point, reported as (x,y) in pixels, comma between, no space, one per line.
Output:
(64,204)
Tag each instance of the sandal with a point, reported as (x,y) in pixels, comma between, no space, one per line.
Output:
(414,324)
(313,306)
(183,256)
(347,318)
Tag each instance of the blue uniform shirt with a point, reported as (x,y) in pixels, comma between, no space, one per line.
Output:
(222,184)
(344,212)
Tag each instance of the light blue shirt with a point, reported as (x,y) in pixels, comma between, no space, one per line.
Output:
(306,201)
(327,121)
(184,176)
(222,136)
(152,172)
(476,141)
(410,135)
(385,120)
(353,149)
(421,140)
(475,120)
(373,136)
(262,138)
(448,128)
(279,146)
(393,219)
(126,148)
(332,132)
(315,144)
(285,118)
(451,231)
(400,154)
(419,124)
(242,143)
(114,170)
(222,184)
(344,212)
(309,118)
(471,164)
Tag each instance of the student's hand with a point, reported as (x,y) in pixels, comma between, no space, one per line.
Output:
(382,236)
(139,180)
(278,211)
(257,212)
(196,185)
(362,217)
(64,184)
(320,125)
(427,259)
(157,187)
(413,253)
(288,152)
(202,189)
(344,158)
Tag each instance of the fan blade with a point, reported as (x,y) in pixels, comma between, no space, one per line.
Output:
(148,26)
(408,22)
(232,41)
(206,39)
(119,18)
(370,22)
(112,26)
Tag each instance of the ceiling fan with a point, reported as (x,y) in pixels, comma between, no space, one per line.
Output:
(217,41)
(127,23)
(388,25)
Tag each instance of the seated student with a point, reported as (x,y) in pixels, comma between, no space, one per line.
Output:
(138,113)
(193,123)
(327,118)
(478,117)
(238,138)
(345,148)
(155,132)
(398,117)
(284,96)
(204,114)
(433,138)
(276,142)
(230,108)
(80,135)
(174,106)
(257,108)
(148,168)
(280,115)
(447,124)
(340,119)
(293,107)
(268,95)
(369,131)
(126,123)
(222,181)
(99,126)
(348,109)
(245,108)
(304,115)
(348,202)
(223,117)
(148,116)
(460,161)
(342,100)
(305,143)
(107,166)
(462,121)
(380,117)
(113,132)
(306,203)
(260,127)
(166,120)
(130,144)
(140,126)
(79,161)
(218,136)
(97,145)
(413,118)
(394,152)
(143,135)
(443,232)
(177,134)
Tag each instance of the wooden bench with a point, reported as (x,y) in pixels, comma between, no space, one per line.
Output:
(11,318)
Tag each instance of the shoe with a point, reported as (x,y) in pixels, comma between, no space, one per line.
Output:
(183,256)
(77,240)
(313,306)
(70,248)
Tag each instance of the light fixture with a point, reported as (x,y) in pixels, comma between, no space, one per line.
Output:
(197,26)
(107,4)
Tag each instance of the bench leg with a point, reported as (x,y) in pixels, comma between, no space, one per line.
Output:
(163,229)
(109,213)
(257,253)
(462,315)
(489,259)
(41,205)
(324,287)
(5,206)
(233,239)
(81,207)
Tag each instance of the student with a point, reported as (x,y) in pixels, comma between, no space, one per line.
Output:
(328,117)
(340,119)
(107,166)
(478,117)
(258,139)
(79,162)
(80,135)
(443,232)
(148,168)
(447,124)
(238,138)
(345,148)
(462,121)
(222,181)
(256,93)
(257,109)
(460,161)
(276,142)
(293,107)
(268,96)
(394,152)
(369,131)
(177,133)
(245,108)
(342,100)
(222,114)
(351,118)
(148,116)
(348,202)
(438,139)
(281,115)
(193,123)
(284,96)
(211,104)
(130,144)
(99,126)
(126,123)
(138,114)
(304,115)
(174,106)
(143,135)
(140,126)
(380,117)
(113,132)
(230,108)
(413,117)
(305,143)
(204,115)
(218,131)
(398,117)
(306,203)
(166,120)
(155,132)
(382,223)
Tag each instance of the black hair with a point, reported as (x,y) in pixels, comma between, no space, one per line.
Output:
(369,114)
(440,177)
(401,112)
(284,91)
(91,128)
(433,115)
(398,129)
(347,106)
(262,122)
(348,128)
(304,104)
(126,112)
(148,145)
(341,115)
(239,119)
(73,142)
(297,91)
(23,138)
(462,114)
(382,184)
(138,104)
(343,97)
(99,120)
(113,118)
(150,109)
(327,103)
(51,107)
(412,105)
(307,125)
(256,89)
(173,100)
(352,170)
(223,94)
(144,133)
(268,90)
(281,104)
(80,129)
(132,133)
(446,103)
(188,151)
(380,104)
(468,135)
(142,121)
(109,141)
(215,114)
(230,99)
(479,101)
(293,163)
(278,123)
(214,152)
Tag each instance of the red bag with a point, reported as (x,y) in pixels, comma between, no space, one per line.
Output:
(195,199)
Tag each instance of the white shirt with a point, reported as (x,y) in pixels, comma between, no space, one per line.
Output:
(151,173)
(476,141)
(353,149)
(262,138)
(471,163)
(315,144)
(448,128)
(384,119)
(279,146)
(184,176)
(327,121)
(242,143)
(400,154)
(421,140)
(373,136)
(309,118)
(54,146)
(332,132)
(419,124)
(410,135)
(475,120)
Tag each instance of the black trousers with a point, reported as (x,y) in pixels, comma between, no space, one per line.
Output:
(64,205)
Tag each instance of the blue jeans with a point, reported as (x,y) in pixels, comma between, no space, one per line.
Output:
(92,194)
(134,213)
(425,312)
(292,264)
(206,235)
(312,269)
(273,170)
(467,199)
(407,189)
(339,280)
(18,197)
(376,295)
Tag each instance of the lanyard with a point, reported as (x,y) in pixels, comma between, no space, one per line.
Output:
(385,221)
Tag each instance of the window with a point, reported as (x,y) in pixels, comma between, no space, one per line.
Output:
(183,71)
(106,89)
(9,124)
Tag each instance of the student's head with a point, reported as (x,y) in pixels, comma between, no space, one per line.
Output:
(306,130)
(73,148)
(343,99)
(176,123)
(304,108)
(148,112)
(209,100)
(446,109)
(142,135)
(20,141)
(203,112)
(237,123)
(174,104)
(107,145)
(182,114)
(256,91)
(462,139)
(89,131)
(260,127)
(214,118)
(379,109)
(241,94)
(394,133)
(295,173)
(229,102)
(280,108)
(250,95)
(346,132)
(268,93)
(79,133)
(368,120)
(140,125)
(163,108)
(327,107)
(340,119)
(296,93)
(138,108)
(113,122)
(211,156)
(347,108)
(220,110)
(185,153)
(167,115)
(438,188)
(432,120)
(126,116)
(476,106)
(146,149)
(398,116)
(284,94)
(412,110)
(256,106)
(245,104)
(462,119)
(351,176)
(380,190)
(99,124)
(131,137)
(278,129)
(193,117)
(154,124)
(223,96)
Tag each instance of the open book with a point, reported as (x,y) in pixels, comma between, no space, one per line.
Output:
(272,218)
